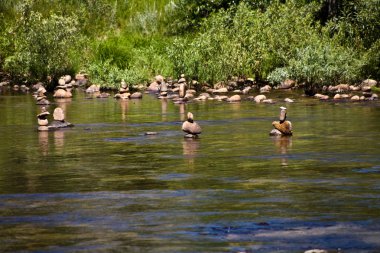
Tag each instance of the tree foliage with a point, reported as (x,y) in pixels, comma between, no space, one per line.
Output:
(39,46)
(313,41)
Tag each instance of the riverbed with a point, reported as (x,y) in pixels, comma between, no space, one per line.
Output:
(105,186)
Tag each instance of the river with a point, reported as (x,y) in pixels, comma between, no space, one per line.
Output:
(105,186)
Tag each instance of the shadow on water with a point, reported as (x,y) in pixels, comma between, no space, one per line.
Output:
(106,186)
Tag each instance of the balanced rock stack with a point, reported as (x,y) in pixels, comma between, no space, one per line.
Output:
(282,127)
(41,98)
(123,91)
(42,120)
(191,127)
(63,90)
(155,85)
(182,86)
(59,119)
(163,88)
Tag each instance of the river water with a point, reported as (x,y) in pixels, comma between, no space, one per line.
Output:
(104,186)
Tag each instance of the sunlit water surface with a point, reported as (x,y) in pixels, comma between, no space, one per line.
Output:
(104,186)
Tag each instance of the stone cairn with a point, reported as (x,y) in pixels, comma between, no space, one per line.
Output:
(163,87)
(123,91)
(282,127)
(190,127)
(42,120)
(63,90)
(41,97)
(182,86)
(58,122)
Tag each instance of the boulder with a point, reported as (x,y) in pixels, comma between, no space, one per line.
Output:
(234,98)
(93,88)
(221,98)
(221,90)
(337,96)
(201,97)
(287,84)
(354,88)
(136,95)
(285,128)
(58,114)
(260,98)
(355,98)
(219,85)
(60,93)
(275,132)
(369,82)
(265,89)
(189,96)
(366,88)
(342,87)
(191,128)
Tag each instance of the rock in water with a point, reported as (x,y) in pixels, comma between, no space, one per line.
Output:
(190,126)
(58,114)
(285,128)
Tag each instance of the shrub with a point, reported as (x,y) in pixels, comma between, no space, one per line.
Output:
(40,46)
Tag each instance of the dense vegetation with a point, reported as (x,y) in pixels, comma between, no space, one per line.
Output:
(316,42)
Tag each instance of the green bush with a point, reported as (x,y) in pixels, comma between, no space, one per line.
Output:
(320,64)
(130,56)
(40,46)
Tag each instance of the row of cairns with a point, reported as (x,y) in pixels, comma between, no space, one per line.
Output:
(282,127)
(364,91)
(58,120)
(65,85)
(180,92)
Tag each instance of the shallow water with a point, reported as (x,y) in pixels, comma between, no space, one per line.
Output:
(105,186)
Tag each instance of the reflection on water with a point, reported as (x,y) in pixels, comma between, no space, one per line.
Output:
(283,144)
(124,108)
(164,108)
(59,139)
(190,149)
(43,140)
(182,111)
(63,103)
(104,186)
